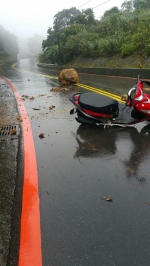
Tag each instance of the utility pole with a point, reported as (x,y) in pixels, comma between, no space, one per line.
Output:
(58,42)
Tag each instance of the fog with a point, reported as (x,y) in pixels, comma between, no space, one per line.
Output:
(30,17)
(11,45)
(30,47)
(29,20)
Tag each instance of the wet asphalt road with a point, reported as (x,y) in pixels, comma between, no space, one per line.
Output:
(79,165)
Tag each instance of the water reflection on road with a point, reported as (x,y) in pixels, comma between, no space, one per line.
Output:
(128,144)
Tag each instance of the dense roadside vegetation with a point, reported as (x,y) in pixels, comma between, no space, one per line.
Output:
(118,34)
(8,44)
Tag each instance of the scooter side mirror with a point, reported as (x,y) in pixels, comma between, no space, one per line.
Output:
(129,97)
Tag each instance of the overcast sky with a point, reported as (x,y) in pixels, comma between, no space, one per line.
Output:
(28,17)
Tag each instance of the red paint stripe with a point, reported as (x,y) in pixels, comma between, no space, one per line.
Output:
(100,115)
(30,238)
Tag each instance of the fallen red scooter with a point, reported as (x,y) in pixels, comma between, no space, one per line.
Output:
(97,109)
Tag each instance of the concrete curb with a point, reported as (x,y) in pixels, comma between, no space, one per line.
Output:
(11,178)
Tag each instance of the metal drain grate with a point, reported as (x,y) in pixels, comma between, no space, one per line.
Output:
(11,131)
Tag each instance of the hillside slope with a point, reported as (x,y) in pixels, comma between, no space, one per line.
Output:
(134,61)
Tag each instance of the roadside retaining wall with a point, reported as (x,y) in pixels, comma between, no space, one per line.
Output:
(123,72)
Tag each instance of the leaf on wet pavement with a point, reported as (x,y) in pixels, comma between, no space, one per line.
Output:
(41,136)
(64,89)
(13,131)
(51,107)
(36,109)
(25,96)
(147,202)
(55,89)
(59,89)
(107,199)
(19,118)
(32,98)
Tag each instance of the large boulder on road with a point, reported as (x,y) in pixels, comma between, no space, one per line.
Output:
(68,76)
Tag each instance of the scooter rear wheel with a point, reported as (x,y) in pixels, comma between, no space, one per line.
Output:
(84,120)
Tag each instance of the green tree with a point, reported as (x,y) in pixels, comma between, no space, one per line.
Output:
(86,17)
(119,32)
(111,12)
(62,18)
(51,39)
(141,4)
(127,6)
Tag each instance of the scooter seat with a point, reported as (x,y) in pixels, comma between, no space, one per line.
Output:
(98,103)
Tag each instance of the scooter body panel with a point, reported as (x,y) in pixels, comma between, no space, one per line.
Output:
(92,108)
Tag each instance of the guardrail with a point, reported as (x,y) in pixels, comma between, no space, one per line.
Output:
(47,66)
